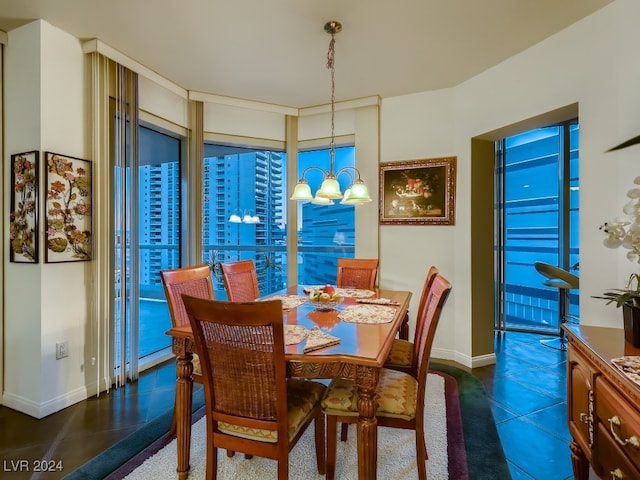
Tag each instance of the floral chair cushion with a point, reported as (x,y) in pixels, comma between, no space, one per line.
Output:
(396,395)
(197,369)
(401,353)
(302,395)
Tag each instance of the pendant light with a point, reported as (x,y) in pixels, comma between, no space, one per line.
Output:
(329,190)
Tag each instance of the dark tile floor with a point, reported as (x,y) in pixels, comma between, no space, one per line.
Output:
(527,389)
(76,434)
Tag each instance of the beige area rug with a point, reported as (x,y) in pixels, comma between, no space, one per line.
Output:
(396,452)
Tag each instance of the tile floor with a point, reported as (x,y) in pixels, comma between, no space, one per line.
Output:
(526,388)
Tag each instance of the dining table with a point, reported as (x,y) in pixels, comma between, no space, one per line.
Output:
(363,326)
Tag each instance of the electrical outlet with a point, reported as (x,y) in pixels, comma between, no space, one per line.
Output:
(62,350)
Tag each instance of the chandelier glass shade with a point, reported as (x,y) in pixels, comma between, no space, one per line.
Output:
(246,217)
(330,190)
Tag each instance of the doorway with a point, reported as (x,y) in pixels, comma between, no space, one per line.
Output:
(536,220)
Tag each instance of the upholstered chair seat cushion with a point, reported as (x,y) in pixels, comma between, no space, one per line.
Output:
(195,361)
(401,353)
(396,395)
(302,395)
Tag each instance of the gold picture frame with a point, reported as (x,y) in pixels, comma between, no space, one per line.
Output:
(418,192)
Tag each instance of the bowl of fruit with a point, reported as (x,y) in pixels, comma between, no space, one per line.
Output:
(324,298)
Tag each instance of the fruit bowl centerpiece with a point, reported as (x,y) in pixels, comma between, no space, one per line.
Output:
(324,298)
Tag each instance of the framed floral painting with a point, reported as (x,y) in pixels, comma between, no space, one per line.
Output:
(68,233)
(418,192)
(23,219)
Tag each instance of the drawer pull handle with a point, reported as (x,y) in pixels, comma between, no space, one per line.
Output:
(617,474)
(633,440)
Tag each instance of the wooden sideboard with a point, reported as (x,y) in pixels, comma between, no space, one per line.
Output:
(603,405)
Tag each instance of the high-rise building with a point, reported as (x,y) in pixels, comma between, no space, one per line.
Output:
(243,215)
(159,208)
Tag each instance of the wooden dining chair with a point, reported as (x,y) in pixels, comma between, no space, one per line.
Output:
(404,353)
(194,281)
(363,273)
(357,273)
(250,404)
(403,333)
(400,396)
(240,281)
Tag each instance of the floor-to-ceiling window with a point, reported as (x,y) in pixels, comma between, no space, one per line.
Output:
(537,185)
(147,215)
(325,232)
(244,212)
(159,233)
(244,215)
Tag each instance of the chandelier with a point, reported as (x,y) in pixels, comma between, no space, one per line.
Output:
(329,190)
(247,217)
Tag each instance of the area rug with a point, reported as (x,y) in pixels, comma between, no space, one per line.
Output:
(465,446)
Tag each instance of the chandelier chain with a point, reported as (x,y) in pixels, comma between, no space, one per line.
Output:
(330,190)
(331,56)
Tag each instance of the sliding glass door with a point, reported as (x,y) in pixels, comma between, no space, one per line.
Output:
(159,234)
(537,187)
(147,239)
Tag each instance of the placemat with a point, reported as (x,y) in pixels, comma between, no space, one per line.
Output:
(367,314)
(288,301)
(344,292)
(377,301)
(355,292)
(318,339)
(294,334)
(630,366)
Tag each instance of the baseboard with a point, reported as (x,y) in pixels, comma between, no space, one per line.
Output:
(21,404)
(41,410)
(483,360)
(466,360)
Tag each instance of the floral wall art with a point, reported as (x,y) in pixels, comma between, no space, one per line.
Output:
(23,221)
(68,231)
(418,192)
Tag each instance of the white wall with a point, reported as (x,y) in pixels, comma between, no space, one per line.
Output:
(415,127)
(593,63)
(44,303)
(22,282)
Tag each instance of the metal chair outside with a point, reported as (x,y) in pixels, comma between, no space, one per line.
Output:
(564,281)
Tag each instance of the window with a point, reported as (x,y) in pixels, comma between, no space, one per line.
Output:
(152,196)
(159,233)
(325,232)
(538,217)
(244,213)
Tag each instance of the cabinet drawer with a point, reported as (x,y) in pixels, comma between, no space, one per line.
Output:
(613,463)
(580,400)
(619,419)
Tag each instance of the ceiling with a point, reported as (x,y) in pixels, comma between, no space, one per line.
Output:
(274,51)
